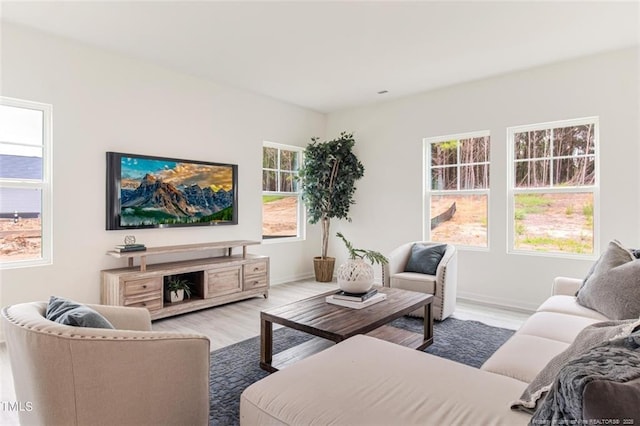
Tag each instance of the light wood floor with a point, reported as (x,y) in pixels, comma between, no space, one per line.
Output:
(235,322)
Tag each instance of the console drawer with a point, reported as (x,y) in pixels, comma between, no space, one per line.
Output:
(255,268)
(152,302)
(255,282)
(144,285)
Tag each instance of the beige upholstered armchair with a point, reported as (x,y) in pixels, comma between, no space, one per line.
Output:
(88,376)
(443,285)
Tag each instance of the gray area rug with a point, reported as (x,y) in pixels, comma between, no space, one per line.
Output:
(235,367)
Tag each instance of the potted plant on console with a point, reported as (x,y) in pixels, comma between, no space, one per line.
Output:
(176,289)
(327,176)
(356,275)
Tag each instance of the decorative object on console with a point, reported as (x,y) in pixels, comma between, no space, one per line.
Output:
(612,286)
(176,289)
(157,192)
(327,177)
(355,275)
(129,247)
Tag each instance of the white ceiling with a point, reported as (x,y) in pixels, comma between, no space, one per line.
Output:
(333,55)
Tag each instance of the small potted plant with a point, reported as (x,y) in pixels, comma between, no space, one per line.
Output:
(356,275)
(177,288)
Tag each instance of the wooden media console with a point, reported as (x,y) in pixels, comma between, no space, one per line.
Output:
(213,280)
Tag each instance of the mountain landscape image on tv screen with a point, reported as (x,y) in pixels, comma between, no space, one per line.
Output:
(156,192)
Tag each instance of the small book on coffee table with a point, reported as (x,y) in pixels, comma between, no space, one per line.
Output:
(355,297)
(356,305)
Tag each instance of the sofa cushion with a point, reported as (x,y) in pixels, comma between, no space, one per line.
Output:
(523,356)
(425,259)
(569,305)
(588,338)
(68,312)
(555,326)
(367,381)
(613,289)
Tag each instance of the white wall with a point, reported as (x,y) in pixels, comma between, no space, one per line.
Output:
(389,143)
(104,102)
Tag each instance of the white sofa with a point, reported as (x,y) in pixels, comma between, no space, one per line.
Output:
(364,380)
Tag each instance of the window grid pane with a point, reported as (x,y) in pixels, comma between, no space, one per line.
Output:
(21,224)
(21,125)
(460,219)
(269,182)
(444,153)
(269,158)
(554,222)
(532,144)
(288,160)
(288,182)
(279,216)
(474,177)
(533,173)
(444,178)
(25,165)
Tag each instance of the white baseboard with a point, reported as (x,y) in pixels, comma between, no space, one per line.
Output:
(497,302)
(291,278)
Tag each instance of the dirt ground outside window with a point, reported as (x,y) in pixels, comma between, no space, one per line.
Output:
(561,222)
(20,240)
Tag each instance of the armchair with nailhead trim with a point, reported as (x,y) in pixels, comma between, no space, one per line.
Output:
(443,285)
(85,376)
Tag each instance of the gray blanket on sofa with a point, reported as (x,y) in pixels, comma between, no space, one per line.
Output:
(592,336)
(616,360)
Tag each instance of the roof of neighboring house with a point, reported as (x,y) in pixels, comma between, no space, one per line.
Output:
(24,201)
(19,167)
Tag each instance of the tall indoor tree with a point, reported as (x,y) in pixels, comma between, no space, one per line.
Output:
(328,175)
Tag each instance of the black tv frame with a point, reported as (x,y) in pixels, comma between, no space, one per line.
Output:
(113,201)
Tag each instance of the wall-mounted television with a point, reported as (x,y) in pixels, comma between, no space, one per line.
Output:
(155,192)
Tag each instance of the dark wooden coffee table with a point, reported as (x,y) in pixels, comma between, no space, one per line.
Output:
(333,324)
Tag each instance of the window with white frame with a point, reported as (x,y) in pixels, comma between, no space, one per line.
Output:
(553,187)
(25,183)
(457,182)
(282,213)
